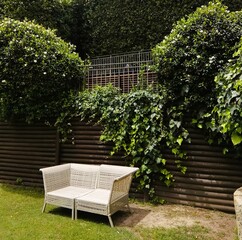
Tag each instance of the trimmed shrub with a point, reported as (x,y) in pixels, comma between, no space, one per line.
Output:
(52,14)
(37,71)
(67,17)
(197,49)
(227,114)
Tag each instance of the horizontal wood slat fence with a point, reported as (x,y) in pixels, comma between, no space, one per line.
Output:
(210,180)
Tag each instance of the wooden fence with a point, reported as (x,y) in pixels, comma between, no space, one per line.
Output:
(210,180)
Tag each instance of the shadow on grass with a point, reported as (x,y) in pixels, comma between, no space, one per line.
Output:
(120,219)
(34,192)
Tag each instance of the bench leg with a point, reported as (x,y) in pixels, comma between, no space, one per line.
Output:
(43,209)
(73,210)
(129,208)
(110,220)
(75,216)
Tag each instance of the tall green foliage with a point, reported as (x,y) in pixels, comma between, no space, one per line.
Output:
(122,26)
(226,116)
(67,17)
(194,52)
(104,27)
(37,71)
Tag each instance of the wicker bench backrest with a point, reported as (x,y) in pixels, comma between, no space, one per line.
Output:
(109,172)
(83,175)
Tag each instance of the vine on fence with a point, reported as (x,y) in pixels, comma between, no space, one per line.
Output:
(135,124)
(144,122)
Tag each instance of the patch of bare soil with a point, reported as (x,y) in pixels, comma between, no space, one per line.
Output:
(220,225)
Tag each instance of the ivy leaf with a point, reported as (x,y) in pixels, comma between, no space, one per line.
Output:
(175,151)
(225,150)
(179,140)
(194,121)
(236,138)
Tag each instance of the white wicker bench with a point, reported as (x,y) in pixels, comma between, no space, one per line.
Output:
(102,189)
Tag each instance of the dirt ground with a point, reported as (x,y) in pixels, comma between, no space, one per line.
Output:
(221,226)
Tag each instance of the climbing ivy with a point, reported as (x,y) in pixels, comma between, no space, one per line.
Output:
(144,122)
(225,120)
(134,123)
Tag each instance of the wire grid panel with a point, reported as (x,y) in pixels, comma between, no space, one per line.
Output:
(141,56)
(123,71)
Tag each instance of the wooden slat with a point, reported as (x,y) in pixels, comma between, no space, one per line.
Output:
(210,180)
(24,149)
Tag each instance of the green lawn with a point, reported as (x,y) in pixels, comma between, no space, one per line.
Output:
(21,219)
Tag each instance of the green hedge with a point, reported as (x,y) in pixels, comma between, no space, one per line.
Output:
(122,26)
(67,17)
(37,71)
(197,49)
(99,27)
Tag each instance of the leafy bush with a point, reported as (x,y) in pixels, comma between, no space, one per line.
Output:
(133,122)
(67,17)
(226,117)
(194,52)
(37,71)
(52,14)
(88,105)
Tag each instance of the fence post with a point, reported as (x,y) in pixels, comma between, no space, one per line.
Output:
(57,148)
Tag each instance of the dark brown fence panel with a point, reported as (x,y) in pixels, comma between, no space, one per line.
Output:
(87,147)
(23,150)
(210,180)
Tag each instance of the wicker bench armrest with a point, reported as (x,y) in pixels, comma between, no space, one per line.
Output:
(120,187)
(56,177)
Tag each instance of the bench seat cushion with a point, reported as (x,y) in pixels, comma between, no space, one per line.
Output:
(64,197)
(96,201)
